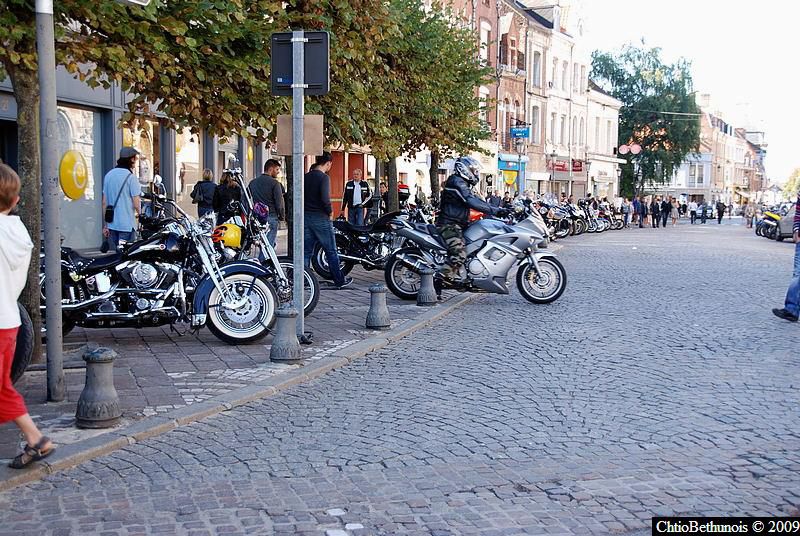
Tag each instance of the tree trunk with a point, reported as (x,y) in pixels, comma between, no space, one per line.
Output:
(391,184)
(26,93)
(434,176)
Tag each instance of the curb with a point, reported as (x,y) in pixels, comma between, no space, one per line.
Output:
(76,453)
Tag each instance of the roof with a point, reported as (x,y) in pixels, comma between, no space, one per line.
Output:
(594,87)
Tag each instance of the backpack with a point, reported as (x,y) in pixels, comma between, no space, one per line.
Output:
(198,195)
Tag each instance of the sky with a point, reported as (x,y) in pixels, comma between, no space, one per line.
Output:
(744,53)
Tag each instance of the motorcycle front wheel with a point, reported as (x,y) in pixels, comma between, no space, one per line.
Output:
(580,226)
(311,286)
(319,261)
(563,230)
(546,286)
(252,320)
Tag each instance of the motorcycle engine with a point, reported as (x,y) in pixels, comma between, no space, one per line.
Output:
(476,268)
(144,275)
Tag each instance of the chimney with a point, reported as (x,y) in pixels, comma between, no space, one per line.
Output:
(557,18)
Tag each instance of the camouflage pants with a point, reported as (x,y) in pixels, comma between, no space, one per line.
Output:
(456,253)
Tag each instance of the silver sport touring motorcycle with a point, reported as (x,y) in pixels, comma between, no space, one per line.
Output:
(493,249)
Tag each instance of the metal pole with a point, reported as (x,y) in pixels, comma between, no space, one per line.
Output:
(48,110)
(298,96)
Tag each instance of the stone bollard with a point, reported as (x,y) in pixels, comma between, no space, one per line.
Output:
(98,405)
(378,315)
(427,293)
(285,346)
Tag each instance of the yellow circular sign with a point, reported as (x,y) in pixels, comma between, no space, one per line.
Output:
(73,175)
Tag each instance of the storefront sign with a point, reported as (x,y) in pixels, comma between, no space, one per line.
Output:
(577,166)
(510,177)
(73,175)
(560,165)
(506,164)
(520,132)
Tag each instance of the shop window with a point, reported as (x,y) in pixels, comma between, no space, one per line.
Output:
(188,170)
(81,223)
(144,136)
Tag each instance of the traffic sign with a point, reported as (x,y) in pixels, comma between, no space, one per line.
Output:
(317,71)
(520,132)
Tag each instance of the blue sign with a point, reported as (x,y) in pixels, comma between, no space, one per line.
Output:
(520,132)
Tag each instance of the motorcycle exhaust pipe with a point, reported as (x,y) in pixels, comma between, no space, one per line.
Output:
(412,263)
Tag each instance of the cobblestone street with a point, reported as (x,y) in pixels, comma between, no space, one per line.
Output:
(659,384)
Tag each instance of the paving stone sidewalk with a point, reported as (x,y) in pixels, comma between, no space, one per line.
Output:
(159,370)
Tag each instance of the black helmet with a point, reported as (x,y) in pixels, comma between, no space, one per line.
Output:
(468,169)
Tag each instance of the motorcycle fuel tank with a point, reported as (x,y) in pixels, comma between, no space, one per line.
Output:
(486,228)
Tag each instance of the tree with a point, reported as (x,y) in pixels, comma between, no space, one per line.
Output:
(659,111)
(792,185)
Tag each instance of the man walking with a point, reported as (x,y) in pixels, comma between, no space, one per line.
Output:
(122,202)
(666,208)
(692,211)
(635,209)
(655,212)
(318,228)
(642,213)
(356,193)
(266,190)
(791,308)
(703,212)
(720,212)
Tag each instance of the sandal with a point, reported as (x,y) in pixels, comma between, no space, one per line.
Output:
(32,454)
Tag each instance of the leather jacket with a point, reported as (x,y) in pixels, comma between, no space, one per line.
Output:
(456,200)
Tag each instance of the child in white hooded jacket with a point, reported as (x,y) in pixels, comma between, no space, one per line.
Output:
(15,257)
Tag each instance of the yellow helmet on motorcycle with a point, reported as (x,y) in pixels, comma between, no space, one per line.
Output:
(229,235)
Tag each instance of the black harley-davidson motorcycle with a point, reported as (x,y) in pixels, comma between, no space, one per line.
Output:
(170,277)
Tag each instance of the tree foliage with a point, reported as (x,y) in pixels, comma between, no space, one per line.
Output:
(792,185)
(659,111)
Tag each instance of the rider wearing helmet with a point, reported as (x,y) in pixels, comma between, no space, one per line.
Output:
(456,200)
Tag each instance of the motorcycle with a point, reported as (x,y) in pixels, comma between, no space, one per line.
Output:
(369,246)
(250,242)
(170,277)
(493,248)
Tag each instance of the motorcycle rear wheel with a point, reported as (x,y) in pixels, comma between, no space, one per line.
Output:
(580,226)
(319,261)
(253,320)
(545,287)
(312,289)
(23,352)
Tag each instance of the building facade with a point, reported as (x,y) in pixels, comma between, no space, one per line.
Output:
(603,166)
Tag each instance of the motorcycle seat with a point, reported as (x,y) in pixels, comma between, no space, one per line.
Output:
(346,226)
(434,232)
(87,265)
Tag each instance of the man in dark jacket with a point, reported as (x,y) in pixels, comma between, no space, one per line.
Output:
(457,199)
(655,212)
(266,190)
(720,211)
(666,209)
(642,212)
(318,227)
(495,199)
(356,193)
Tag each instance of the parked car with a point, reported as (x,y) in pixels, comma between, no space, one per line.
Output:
(785,225)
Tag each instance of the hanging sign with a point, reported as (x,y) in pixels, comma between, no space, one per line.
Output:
(73,175)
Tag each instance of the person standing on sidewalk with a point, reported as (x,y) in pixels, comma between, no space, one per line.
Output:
(642,213)
(655,212)
(749,214)
(703,212)
(266,190)
(692,211)
(791,307)
(356,193)
(318,210)
(666,209)
(122,201)
(203,193)
(15,257)
(720,212)
(675,212)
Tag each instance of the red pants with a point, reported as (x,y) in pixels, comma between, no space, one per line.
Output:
(11,404)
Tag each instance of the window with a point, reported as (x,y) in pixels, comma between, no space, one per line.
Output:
(486,38)
(553,79)
(609,141)
(583,79)
(187,168)
(582,133)
(575,81)
(597,134)
(695,175)
(553,127)
(512,57)
(535,126)
(504,50)
(573,135)
(537,69)
(564,75)
(484,103)
(563,134)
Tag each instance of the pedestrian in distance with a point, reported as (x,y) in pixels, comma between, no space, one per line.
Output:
(692,211)
(228,192)
(635,207)
(675,213)
(122,201)
(720,212)
(749,213)
(666,211)
(703,212)
(318,210)
(15,257)
(626,213)
(507,201)
(791,307)
(356,193)
(203,193)
(642,213)
(267,190)
(495,199)
(655,212)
